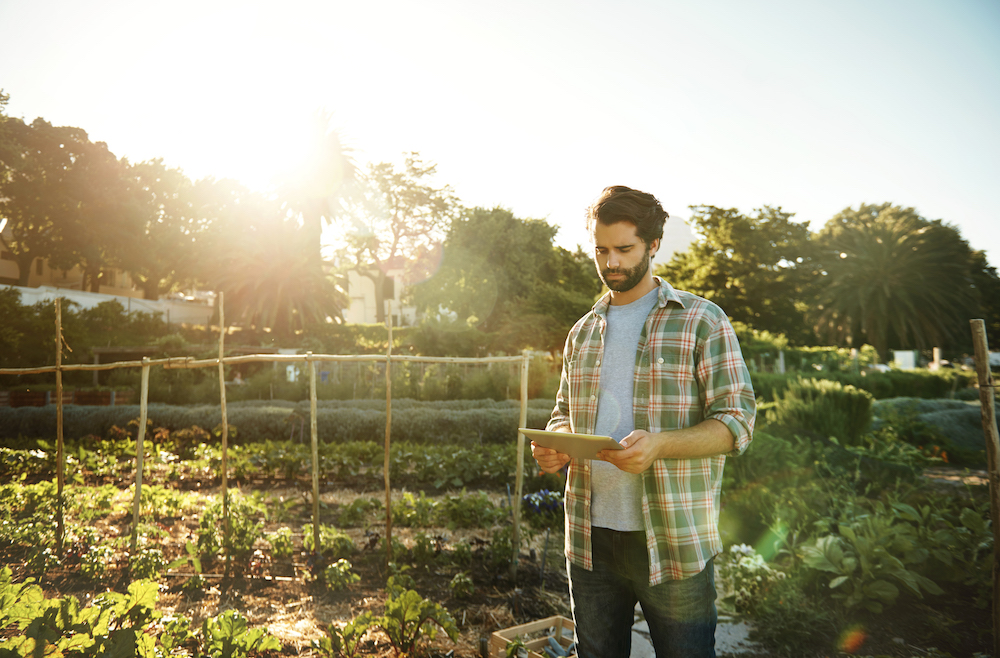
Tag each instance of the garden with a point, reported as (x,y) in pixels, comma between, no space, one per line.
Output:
(857,523)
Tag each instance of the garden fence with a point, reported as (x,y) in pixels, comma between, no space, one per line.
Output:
(220,362)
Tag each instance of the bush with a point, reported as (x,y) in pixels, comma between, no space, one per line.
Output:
(455,422)
(826,408)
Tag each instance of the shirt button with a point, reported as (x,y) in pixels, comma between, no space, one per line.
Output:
(598,362)
(660,360)
(593,397)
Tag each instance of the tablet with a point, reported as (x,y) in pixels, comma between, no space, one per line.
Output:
(579,446)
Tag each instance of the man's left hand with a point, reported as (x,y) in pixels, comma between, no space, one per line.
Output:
(641,450)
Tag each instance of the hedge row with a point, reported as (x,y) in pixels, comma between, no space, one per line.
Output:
(891,384)
(456,422)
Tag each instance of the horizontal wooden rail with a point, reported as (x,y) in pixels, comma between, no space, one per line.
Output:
(191,362)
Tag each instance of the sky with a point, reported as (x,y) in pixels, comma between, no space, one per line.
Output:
(537,106)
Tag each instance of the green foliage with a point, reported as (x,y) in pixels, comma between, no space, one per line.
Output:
(344,640)
(95,560)
(870,557)
(333,543)
(412,511)
(467,510)
(339,575)
(113,625)
(227,636)
(281,543)
(461,586)
(244,529)
(356,513)
(826,408)
(894,278)
(409,617)
(757,267)
(147,563)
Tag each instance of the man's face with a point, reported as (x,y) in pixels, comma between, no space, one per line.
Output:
(621,257)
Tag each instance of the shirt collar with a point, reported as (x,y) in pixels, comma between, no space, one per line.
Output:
(665,294)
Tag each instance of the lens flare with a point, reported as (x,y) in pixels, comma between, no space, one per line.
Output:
(852,639)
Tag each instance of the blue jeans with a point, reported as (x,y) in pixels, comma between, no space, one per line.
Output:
(681,613)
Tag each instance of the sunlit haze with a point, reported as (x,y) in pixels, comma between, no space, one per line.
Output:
(536,106)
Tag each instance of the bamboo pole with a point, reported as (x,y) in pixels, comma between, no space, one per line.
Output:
(314,442)
(986,398)
(225,431)
(139,453)
(60,448)
(515,540)
(388,433)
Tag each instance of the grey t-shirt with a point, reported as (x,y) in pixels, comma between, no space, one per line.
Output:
(616,496)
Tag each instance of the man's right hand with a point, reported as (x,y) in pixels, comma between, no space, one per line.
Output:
(548,459)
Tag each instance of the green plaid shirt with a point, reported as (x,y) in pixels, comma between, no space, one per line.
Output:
(688,368)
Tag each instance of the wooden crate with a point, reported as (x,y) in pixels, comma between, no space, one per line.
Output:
(540,630)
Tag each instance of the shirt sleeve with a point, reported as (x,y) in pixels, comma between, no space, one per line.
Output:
(560,413)
(729,395)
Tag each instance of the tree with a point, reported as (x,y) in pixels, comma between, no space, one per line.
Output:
(35,193)
(167,226)
(756,267)
(393,217)
(503,275)
(317,192)
(99,232)
(257,252)
(894,279)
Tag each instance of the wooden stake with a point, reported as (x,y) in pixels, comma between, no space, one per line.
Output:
(314,441)
(992,451)
(139,452)
(388,433)
(60,451)
(515,540)
(225,429)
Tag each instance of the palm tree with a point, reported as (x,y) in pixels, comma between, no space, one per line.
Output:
(893,279)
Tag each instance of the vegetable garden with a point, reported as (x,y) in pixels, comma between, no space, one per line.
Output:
(855,524)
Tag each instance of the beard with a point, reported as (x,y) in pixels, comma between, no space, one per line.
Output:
(632,278)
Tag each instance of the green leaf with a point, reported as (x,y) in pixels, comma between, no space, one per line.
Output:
(882,590)
(847,531)
(907,512)
(838,581)
(972,521)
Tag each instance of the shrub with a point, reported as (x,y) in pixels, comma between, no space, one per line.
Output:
(333,543)
(825,407)
(339,575)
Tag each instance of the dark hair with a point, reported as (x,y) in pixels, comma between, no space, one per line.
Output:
(623,204)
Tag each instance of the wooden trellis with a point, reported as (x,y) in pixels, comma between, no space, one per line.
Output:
(311,360)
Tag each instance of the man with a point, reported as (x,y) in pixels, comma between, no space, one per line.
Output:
(660,371)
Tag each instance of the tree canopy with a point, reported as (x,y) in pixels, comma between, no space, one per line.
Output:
(757,267)
(503,275)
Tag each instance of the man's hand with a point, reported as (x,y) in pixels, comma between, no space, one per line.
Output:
(548,459)
(708,438)
(641,450)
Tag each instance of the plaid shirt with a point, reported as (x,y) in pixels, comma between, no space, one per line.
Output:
(688,368)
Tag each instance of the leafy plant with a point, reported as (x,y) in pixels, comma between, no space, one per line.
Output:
(244,529)
(227,636)
(334,543)
(147,563)
(344,640)
(467,511)
(409,617)
(461,586)
(358,510)
(413,512)
(281,543)
(191,559)
(339,575)
(869,558)
(95,560)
